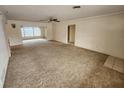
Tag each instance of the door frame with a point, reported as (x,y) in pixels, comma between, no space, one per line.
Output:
(68,32)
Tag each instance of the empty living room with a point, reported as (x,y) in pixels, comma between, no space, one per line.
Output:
(62,46)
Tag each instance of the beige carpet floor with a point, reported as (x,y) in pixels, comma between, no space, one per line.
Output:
(52,64)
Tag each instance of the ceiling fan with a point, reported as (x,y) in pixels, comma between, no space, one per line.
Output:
(51,20)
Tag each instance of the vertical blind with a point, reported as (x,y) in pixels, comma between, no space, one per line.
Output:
(30,31)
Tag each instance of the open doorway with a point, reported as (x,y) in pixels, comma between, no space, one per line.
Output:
(71,34)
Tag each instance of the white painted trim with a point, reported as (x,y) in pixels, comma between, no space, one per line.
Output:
(5,67)
(1,85)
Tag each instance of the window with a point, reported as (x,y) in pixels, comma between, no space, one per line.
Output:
(37,31)
(30,31)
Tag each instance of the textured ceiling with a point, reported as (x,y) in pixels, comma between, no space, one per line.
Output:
(62,12)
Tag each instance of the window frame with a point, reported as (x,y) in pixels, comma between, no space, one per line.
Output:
(23,31)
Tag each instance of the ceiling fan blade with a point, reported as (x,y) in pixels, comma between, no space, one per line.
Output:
(50,20)
(57,21)
(43,20)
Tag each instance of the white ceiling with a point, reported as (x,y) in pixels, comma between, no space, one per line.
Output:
(62,12)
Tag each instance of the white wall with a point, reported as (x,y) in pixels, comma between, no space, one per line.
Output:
(15,34)
(4,51)
(104,33)
(49,30)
